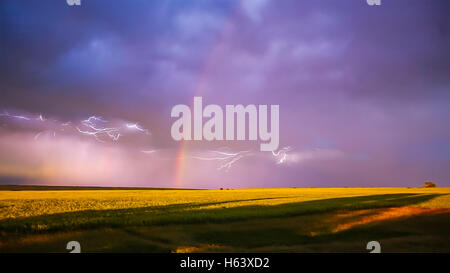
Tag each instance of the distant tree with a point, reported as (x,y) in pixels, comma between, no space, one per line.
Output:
(429,184)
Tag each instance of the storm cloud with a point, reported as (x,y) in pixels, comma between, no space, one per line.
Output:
(364,91)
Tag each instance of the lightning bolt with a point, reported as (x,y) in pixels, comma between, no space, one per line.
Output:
(227,166)
(37,136)
(94,126)
(281,155)
(6,114)
(96,130)
(228,158)
(137,127)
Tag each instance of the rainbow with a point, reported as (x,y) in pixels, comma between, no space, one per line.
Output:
(180,157)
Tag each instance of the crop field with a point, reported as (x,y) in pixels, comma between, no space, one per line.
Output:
(229,220)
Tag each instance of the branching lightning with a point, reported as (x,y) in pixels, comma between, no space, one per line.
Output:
(137,127)
(228,159)
(22,117)
(94,126)
(103,130)
(96,130)
(281,155)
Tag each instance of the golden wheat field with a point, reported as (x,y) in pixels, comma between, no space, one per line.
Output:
(294,219)
(34,203)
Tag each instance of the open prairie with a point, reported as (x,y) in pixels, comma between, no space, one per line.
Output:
(34,219)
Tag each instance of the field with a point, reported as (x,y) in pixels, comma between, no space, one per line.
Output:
(41,219)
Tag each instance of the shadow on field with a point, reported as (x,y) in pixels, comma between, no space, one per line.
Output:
(193,214)
(308,226)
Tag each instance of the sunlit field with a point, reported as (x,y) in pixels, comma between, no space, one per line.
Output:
(228,220)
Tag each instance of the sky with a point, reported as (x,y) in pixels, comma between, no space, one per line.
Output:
(86,91)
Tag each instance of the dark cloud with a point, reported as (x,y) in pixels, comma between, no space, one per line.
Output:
(372,82)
